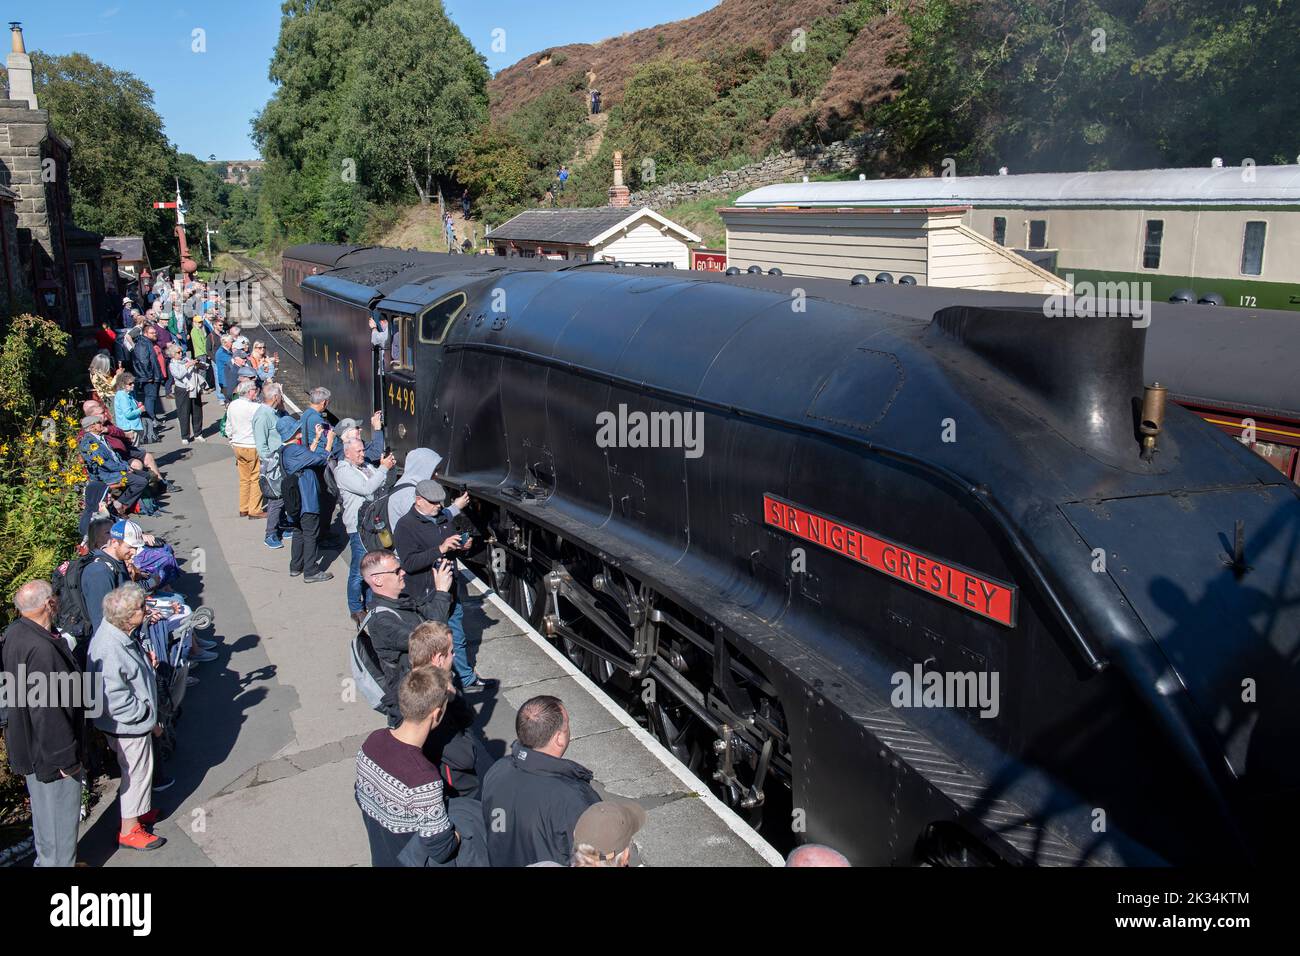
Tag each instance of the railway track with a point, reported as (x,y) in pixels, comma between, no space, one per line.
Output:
(266,314)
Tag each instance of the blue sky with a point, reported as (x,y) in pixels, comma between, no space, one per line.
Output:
(206,100)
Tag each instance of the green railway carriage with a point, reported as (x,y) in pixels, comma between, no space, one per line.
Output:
(1228,235)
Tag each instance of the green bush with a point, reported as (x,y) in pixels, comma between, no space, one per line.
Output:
(41,480)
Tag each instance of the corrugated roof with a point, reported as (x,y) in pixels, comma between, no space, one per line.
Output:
(1201,186)
(564,225)
(130,247)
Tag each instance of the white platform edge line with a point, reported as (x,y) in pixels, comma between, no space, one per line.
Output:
(292,407)
(724,812)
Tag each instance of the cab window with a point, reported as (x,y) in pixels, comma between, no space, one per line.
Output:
(402,346)
(435,321)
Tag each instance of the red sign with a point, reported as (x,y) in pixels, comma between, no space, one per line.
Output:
(709,260)
(164,205)
(984,596)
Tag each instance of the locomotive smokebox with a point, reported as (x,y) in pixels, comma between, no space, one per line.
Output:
(1086,372)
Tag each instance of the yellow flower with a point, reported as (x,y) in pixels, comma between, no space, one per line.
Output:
(72,443)
(54,466)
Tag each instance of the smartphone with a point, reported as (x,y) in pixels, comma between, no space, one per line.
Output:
(464,538)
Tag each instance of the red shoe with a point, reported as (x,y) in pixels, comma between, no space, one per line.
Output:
(139,839)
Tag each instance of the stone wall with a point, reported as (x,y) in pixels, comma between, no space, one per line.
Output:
(785,167)
(44,205)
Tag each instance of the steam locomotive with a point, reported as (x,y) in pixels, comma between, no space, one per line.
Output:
(917,573)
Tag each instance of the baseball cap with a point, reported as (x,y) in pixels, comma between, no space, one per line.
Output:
(287,426)
(608,826)
(430,490)
(91,420)
(347,423)
(128,532)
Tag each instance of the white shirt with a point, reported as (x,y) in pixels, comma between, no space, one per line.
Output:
(239,422)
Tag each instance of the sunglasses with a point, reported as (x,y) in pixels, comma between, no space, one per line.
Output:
(375,574)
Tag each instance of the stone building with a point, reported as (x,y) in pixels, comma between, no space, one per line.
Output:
(59,269)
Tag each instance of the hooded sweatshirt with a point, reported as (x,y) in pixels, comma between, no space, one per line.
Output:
(419,466)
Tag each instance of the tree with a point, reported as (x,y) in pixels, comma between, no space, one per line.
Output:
(1096,84)
(549,128)
(300,130)
(494,168)
(419,95)
(663,108)
(121,160)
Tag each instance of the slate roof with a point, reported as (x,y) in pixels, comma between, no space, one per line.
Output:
(130,247)
(577,226)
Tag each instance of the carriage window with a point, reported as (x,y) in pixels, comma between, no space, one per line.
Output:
(1000,230)
(1151,245)
(436,320)
(1038,234)
(1252,249)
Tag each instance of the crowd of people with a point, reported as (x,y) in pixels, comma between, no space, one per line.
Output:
(429,792)
(107,612)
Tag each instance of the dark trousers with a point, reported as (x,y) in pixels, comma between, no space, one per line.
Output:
(305,554)
(274,509)
(150,399)
(136,484)
(189,413)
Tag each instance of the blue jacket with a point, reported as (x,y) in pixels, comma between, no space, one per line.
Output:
(298,459)
(221,361)
(310,418)
(102,575)
(144,362)
(126,412)
(102,463)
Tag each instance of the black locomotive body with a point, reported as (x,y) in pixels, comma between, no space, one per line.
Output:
(914,571)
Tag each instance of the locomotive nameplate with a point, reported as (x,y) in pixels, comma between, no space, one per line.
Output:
(977,593)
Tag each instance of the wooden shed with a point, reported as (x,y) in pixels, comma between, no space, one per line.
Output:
(602,234)
(931,244)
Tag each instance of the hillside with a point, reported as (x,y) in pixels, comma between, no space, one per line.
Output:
(728,36)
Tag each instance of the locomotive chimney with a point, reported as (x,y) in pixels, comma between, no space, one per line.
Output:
(1086,372)
(619,195)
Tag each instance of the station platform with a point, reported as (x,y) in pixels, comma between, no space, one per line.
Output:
(265,761)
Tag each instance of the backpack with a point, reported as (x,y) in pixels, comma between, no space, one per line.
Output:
(372,519)
(271,477)
(328,480)
(366,669)
(158,562)
(74,618)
